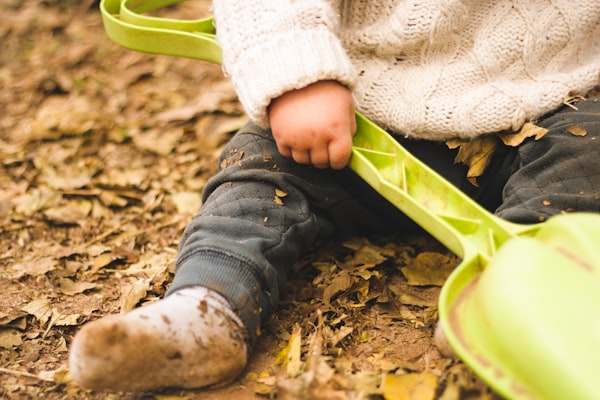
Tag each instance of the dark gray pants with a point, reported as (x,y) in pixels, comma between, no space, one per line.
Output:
(262,211)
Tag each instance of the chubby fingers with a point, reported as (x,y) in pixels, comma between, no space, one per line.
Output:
(335,154)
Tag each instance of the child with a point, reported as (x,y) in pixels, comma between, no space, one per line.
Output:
(426,70)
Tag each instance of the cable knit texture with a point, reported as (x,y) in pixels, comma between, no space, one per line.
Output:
(431,69)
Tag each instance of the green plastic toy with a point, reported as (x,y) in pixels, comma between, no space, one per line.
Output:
(523,307)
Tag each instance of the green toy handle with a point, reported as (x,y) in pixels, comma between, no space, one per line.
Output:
(125,25)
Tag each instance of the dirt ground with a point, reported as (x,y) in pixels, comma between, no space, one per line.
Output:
(103,155)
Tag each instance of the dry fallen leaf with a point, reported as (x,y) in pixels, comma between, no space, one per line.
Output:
(429,268)
(410,386)
(70,288)
(158,141)
(35,267)
(39,308)
(476,154)
(528,130)
(72,213)
(293,363)
(339,284)
(187,202)
(36,200)
(10,338)
(576,130)
(131,294)
(104,260)
(59,115)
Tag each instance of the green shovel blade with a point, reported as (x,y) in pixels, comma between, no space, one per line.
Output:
(530,323)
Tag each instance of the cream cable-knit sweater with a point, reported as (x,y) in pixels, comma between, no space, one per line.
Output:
(431,69)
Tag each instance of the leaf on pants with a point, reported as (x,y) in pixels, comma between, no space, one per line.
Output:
(476,154)
(576,130)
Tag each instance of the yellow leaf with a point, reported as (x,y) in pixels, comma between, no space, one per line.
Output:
(289,356)
(409,386)
(528,130)
(172,397)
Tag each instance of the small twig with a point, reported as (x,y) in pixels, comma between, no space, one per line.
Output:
(17,373)
(571,101)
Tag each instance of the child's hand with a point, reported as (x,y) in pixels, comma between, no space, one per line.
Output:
(314,125)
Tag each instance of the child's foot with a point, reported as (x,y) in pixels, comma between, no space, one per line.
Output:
(441,342)
(190,339)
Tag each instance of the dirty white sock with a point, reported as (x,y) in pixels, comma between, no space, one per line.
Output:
(441,342)
(189,339)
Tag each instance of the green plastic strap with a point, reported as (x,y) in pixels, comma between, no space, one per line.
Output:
(125,25)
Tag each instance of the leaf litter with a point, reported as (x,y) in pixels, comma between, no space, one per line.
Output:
(103,155)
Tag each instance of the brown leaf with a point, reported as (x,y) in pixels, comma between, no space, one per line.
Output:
(212,130)
(60,115)
(429,268)
(64,319)
(36,266)
(73,213)
(14,319)
(576,130)
(64,177)
(10,338)
(528,130)
(36,200)
(476,154)
(71,288)
(131,294)
(104,260)
(340,334)
(368,256)
(40,308)
(339,284)
(158,141)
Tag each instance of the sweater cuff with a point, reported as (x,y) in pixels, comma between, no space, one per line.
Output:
(293,61)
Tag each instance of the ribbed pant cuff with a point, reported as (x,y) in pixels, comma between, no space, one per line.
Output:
(233,279)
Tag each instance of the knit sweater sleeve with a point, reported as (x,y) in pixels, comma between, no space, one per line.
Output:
(271,47)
